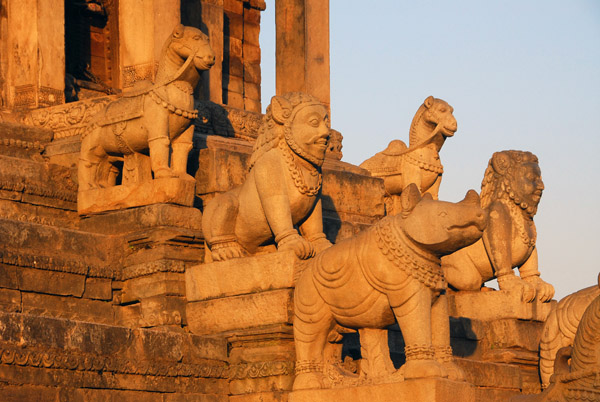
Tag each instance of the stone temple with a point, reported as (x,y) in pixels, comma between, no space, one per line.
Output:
(163,240)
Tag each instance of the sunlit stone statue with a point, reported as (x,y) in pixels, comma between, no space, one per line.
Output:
(390,272)
(420,162)
(510,192)
(561,326)
(282,189)
(154,119)
(577,367)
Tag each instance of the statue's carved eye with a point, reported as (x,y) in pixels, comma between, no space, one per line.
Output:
(197,37)
(314,122)
(443,110)
(442,214)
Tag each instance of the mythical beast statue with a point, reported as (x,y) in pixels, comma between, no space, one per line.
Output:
(390,272)
(420,162)
(282,189)
(511,190)
(561,326)
(576,368)
(154,118)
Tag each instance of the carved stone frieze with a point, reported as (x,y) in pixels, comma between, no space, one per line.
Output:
(52,263)
(69,119)
(152,267)
(44,358)
(260,369)
(31,96)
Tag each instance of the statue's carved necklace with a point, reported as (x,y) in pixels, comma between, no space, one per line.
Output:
(419,162)
(521,218)
(395,248)
(296,172)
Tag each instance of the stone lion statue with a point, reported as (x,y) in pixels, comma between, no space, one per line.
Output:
(282,190)
(418,163)
(510,192)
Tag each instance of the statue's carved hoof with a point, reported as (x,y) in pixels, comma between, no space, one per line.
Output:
(308,381)
(423,369)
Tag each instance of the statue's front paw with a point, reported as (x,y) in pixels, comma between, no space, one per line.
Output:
(227,251)
(518,286)
(320,243)
(544,290)
(298,244)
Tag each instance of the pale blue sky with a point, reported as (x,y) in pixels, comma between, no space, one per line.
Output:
(520,74)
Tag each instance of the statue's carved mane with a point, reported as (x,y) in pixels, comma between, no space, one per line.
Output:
(497,185)
(272,131)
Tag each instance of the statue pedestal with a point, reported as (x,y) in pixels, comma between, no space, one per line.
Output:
(241,293)
(159,191)
(422,390)
(496,305)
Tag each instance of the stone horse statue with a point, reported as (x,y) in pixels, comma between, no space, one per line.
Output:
(153,118)
(418,163)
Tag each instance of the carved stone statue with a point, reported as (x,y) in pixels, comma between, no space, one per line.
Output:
(561,326)
(282,189)
(152,119)
(390,272)
(577,368)
(510,192)
(420,162)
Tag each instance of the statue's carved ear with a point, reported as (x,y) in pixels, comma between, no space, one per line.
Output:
(428,102)
(500,162)
(178,31)
(281,109)
(410,197)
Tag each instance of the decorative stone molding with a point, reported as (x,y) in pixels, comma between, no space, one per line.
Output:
(31,96)
(152,267)
(23,259)
(114,364)
(138,72)
(260,369)
(67,120)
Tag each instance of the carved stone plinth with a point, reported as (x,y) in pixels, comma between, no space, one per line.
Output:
(241,276)
(165,190)
(422,390)
(496,305)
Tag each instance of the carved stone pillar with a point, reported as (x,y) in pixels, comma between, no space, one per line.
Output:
(32,63)
(302,47)
(143,28)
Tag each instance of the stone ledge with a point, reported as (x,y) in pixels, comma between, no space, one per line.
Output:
(159,191)
(240,312)
(495,305)
(422,390)
(240,276)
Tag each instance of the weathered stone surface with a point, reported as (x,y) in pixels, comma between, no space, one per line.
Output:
(495,305)
(23,142)
(247,275)
(10,300)
(58,283)
(70,308)
(164,190)
(98,288)
(425,390)
(38,182)
(157,284)
(240,312)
